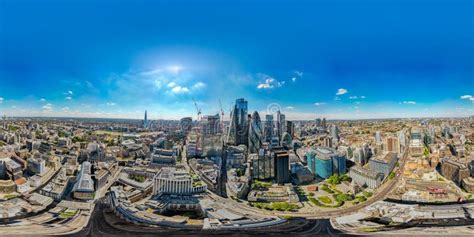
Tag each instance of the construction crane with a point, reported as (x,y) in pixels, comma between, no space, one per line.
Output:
(222,116)
(198,110)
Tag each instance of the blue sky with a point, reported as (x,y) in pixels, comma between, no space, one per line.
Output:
(338,59)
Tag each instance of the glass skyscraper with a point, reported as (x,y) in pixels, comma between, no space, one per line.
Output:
(255,133)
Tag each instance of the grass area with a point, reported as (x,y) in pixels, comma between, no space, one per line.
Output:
(391,175)
(358,199)
(197,184)
(343,197)
(12,128)
(325,188)
(367,194)
(68,214)
(319,203)
(260,184)
(287,217)
(276,206)
(10,196)
(426,151)
(137,177)
(78,139)
(325,199)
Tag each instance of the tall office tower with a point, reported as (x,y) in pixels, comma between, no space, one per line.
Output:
(212,125)
(239,126)
(278,125)
(323,123)
(334,132)
(359,157)
(255,133)
(281,124)
(281,161)
(392,144)
(402,139)
(4,122)
(186,123)
(378,137)
(446,132)
(318,122)
(429,136)
(268,127)
(145,121)
(290,128)
(262,165)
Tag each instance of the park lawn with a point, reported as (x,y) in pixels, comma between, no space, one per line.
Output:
(325,199)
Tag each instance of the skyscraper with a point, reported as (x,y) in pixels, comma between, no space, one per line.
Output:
(239,126)
(378,137)
(317,122)
(281,161)
(334,132)
(145,121)
(268,127)
(281,124)
(262,165)
(290,128)
(255,133)
(392,144)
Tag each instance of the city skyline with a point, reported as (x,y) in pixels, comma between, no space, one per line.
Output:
(390,60)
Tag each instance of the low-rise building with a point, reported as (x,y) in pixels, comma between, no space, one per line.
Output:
(383,163)
(169,180)
(84,186)
(365,177)
(163,157)
(454,170)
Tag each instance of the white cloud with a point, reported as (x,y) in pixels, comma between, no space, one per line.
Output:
(70,92)
(353,97)
(341,91)
(299,73)
(13,107)
(65,109)
(68,98)
(293,79)
(1,100)
(269,82)
(199,85)
(408,102)
(111,104)
(357,102)
(290,107)
(468,97)
(43,100)
(48,107)
(179,89)
(171,84)
(319,103)
(337,98)
(362,96)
